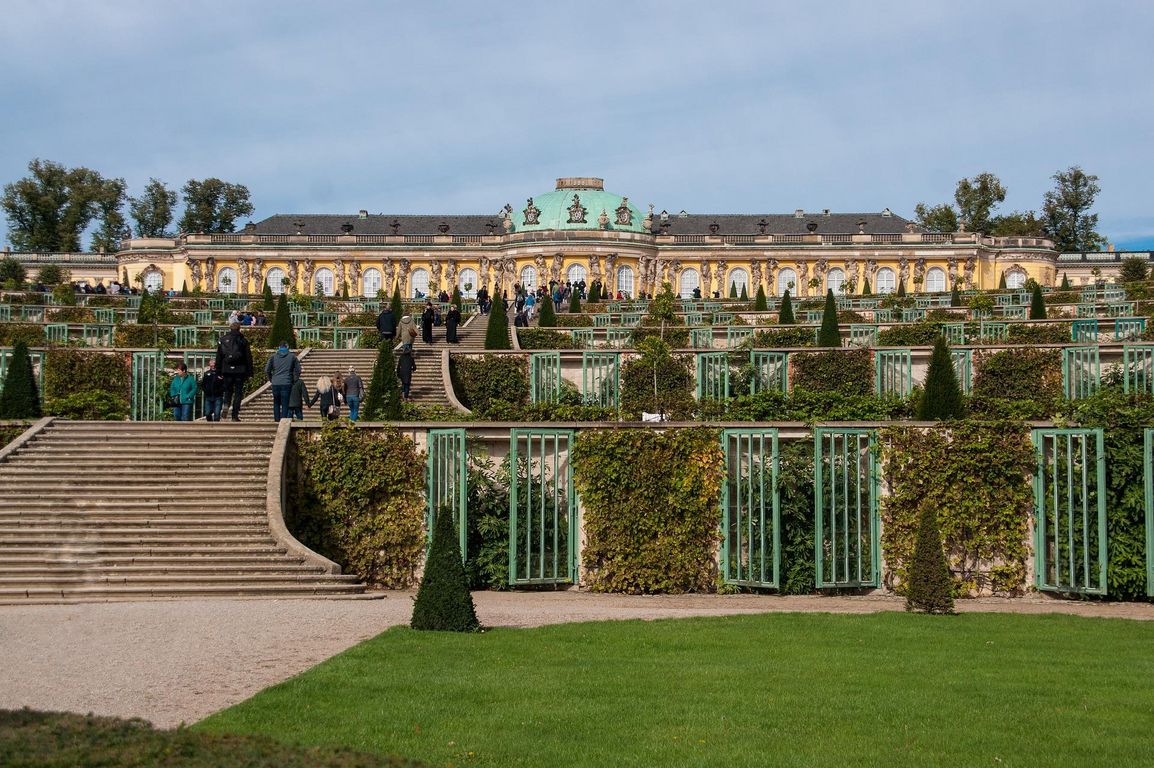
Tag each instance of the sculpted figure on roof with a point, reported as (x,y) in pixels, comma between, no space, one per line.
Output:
(532,213)
(577,211)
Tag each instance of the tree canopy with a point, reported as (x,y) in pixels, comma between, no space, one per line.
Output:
(153,210)
(51,207)
(213,205)
(1066,211)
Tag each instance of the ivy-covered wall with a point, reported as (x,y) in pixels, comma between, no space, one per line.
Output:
(81,384)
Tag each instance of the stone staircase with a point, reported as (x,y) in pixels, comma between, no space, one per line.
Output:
(145,510)
(314,364)
(429,385)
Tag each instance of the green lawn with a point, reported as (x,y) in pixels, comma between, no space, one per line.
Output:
(787,689)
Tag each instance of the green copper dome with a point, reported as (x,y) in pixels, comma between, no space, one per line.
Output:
(559,210)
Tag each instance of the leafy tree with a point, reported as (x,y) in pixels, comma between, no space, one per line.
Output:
(942,398)
(976,200)
(866,290)
(396,304)
(497,333)
(785,316)
(153,210)
(575,302)
(52,274)
(548,317)
(12,270)
(830,333)
(1133,270)
(213,205)
(938,218)
(443,601)
(1065,282)
(1019,224)
(20,397)
(110,199)
(1037,304)
(760,303)
(49,209)
(1066,209)
(383,399)
(929,589)
(282,326)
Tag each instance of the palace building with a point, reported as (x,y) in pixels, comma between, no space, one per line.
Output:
(579,231)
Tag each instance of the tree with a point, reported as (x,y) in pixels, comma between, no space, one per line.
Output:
(594,292)
(455,299)
(1019,224)
(977,198)
(213,205)
(49,209)
(1133,270)
(548,317)
(282,326)
(153,210)
(383,399)
(1066,209)
(497,333)
(20,398)
(785,316)
(744,293)
(396,304)
(268,302)
(901,292)
(575,302)
(956,296)
(12,270)
(443,601)
(929,588)
(184,288)
(866,290)
(938,218)
(52,274)
(1065,282)
(732,290)
(1002,282)
(942,397)
(1037,304)
(110,199)
(345,290)
(760,304)
(830,333)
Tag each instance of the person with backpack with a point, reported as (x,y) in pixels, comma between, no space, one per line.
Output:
(283,367)
(182,392)
(212,385)
(234,361)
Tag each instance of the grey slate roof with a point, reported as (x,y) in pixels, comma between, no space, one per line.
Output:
(693,224)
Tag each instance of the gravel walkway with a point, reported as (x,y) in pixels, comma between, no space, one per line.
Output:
(173,662)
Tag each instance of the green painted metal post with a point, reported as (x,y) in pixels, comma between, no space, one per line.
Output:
(601,378)
(447,480)
(771,371)
(544,377)
(712,375)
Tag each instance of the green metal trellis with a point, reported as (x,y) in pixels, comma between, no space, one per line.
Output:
(894,372)
(147,370)
(1081,371)
(1148,464)
(542,507)
(712,375)
(847,548)
(447,480)
(544,377)
(770,371)
(1138,368)
(750,509)
(601,378)
(963,360)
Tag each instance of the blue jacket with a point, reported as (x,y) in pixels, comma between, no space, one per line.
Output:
(184,388)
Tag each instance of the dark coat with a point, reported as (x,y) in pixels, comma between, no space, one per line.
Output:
(427,319)
(326,399)
(387,323)
(242,369)
(212,384)
(406,364)
(452,320)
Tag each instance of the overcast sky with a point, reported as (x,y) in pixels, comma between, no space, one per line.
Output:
(717,107)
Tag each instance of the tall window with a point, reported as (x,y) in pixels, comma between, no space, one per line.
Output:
(936,280)
(786,281)
(467,283)
(529,278)
(226,280)
(370,282)
(274,279)
(575,274)
(1015,279)
(737,279)
(625,281)
(835,280)
(419,284)
(690,279)
(154,281)
(887,282)
(324,276)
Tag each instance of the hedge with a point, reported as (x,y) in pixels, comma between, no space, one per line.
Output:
(849,372)
(490,385)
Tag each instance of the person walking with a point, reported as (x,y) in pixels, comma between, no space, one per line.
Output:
(282,369)
(182,392)
(354,393)
(212,385)
(327,396)
(387,324)
(408,332)
(406,364)
(298,396)
(234,361)
(452,320)
(427,319)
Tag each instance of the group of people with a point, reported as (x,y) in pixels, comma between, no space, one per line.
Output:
(255,317)
(390,328)
(114,288)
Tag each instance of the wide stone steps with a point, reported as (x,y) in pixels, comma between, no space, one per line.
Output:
(317,363)
(124,511)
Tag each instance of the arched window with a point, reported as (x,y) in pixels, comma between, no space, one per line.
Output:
(786,281)
(887,283)
(737,279)
(575,274)
(529,278)
(370,282)
(154,280)
(690,279)
(834,280)
(1015,279)
(226,280)
(323,276)
(274,279)
(625,281)
(419,284)
(936,280)
(467,283)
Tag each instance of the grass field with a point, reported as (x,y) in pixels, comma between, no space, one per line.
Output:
(786,689)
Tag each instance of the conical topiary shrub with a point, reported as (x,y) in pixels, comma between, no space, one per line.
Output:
(575,302)
(733,290)
(1037,304)
(396,303)
(1002,282)
(955,297)
(345,291)
(759,302)
(830,333)
(1065,282)
(785,316)
(20,398)
(548,317)
(942,398)
(744,293)
(443,601)
(456,297)
(901,289)
(269,302)
(497,334)
(383,399)
(930,588)
(184,288)
(594,293)
(865,287)
(282,326)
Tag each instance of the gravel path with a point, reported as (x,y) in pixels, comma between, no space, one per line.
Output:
(173,662)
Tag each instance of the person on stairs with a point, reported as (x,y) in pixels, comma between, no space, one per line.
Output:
(387,324)
(452,320)
(406,364)
(428,317)
(182,391)
(298,396)
(234,361)
(408,332)
(212,385)
(354,393)
(327,396)
(282,369)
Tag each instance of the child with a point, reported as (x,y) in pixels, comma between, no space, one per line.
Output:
(298,396)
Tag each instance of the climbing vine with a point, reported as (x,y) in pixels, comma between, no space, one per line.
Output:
(850,372)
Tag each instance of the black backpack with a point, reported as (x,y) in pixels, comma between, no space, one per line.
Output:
(232,350)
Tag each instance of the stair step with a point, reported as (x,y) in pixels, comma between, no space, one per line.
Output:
(304,589)
(178,580)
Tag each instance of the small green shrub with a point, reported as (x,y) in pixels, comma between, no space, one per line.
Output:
(11,334)
(282,327)
(943,396)
(920,334)
(82,384)
(544,338)
(134,336)
(443,602)
(383,399)
(1017,383)
(547,315)
(20,397)
(497,332)
(929,589)
(92,405)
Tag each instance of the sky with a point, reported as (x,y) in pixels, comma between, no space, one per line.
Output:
(459,108)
